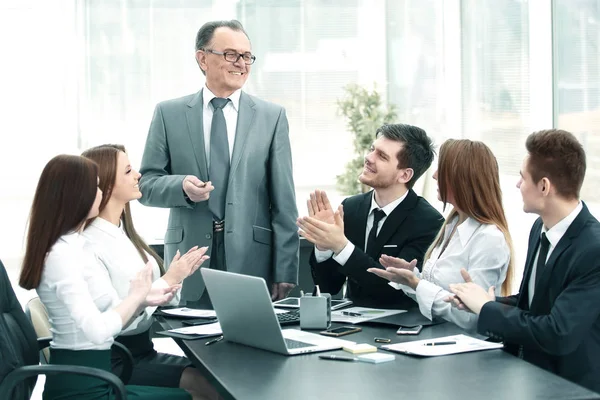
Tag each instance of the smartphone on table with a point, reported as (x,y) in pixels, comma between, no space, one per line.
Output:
(409,330)
(341,331)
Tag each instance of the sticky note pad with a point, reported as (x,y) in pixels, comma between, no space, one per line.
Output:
(360,348)
(376,358)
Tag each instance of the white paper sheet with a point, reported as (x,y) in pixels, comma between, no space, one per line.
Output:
(463,344)
(207,329)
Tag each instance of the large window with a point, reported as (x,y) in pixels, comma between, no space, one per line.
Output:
(577,82)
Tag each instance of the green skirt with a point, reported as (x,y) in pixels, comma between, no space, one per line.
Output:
(71,386)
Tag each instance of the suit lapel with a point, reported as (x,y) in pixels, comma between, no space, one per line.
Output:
(194,115)
(244,128)
(394,221)
(534,243)
(357,221)
(571,234)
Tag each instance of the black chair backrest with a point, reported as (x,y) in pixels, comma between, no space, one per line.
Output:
(18,341)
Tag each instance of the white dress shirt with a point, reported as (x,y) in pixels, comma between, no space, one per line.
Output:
(479,248)
(230,112)
(79,297)
(111,246)
(553,235)
(346,252)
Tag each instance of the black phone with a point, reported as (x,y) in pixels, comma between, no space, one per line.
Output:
(341,331)
(409,330)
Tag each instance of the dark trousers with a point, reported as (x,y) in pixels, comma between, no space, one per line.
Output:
(217,261)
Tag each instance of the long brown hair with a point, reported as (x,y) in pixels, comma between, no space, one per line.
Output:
(64,196)
(106,156)
(470,169)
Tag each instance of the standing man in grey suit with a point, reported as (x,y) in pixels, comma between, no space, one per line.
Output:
(220,159)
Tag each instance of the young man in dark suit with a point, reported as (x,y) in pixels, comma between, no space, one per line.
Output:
(554,320)
(391,219)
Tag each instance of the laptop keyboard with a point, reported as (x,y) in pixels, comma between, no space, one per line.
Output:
(294,344)
(290,317)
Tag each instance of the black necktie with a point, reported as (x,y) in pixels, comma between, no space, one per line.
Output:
(218,171)
(378,214)
(541,262)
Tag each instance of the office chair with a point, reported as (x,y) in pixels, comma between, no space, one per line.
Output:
(19,364)
(38,315)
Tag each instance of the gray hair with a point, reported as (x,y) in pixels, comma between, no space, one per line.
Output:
(207,31)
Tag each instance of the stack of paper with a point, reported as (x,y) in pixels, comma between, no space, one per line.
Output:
(376,358)
(189,312)
(207,330)
(360,348)
(442,346)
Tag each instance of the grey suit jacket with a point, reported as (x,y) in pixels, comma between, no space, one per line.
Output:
(261,237)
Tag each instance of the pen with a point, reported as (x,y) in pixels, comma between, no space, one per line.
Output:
(215,340)
(338,358)
(301,293)
(318,291)
(351,314)
(438,343)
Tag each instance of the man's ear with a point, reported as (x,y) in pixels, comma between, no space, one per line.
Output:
(545,185)
(201,59)
(405,175)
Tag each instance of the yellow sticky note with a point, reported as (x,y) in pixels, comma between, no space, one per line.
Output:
(360,348)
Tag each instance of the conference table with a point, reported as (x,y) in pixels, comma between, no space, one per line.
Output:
(242,372)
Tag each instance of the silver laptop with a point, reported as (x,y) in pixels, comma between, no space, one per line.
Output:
(246,314)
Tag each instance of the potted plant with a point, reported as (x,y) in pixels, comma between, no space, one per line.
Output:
(365,112)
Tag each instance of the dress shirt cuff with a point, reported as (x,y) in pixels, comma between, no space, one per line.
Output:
(406,289)
(345,254)
(322,255)
(113,321)
(426,294)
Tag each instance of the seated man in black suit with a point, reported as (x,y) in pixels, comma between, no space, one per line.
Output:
(554,320)
(391,219)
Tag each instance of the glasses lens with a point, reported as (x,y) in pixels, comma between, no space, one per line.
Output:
(231,57)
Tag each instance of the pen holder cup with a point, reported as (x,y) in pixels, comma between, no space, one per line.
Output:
(315,311)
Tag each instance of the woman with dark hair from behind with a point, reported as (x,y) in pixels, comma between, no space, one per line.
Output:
(120,249)
(84,310)
(474,237)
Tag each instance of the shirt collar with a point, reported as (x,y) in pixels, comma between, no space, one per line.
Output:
(207,96)
(556,233)
(106,227)
(467,229)
(390,207)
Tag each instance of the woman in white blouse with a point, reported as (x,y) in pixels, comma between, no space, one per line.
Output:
(84,309)
(474,237)
(116,244)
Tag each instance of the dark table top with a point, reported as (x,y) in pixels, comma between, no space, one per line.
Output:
(242,372)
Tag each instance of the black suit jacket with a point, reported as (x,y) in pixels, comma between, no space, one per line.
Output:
(411,227)
(561,331)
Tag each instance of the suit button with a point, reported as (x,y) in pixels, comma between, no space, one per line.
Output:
(208,236)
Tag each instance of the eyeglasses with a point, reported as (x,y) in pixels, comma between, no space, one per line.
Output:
(233,56)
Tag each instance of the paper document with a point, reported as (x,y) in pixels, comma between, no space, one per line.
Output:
(190,312)
(208,330)
(442,346)
(356,315)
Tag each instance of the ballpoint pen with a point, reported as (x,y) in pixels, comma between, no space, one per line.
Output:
(215,340)
(338,358)
(438,343)
(351,314)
